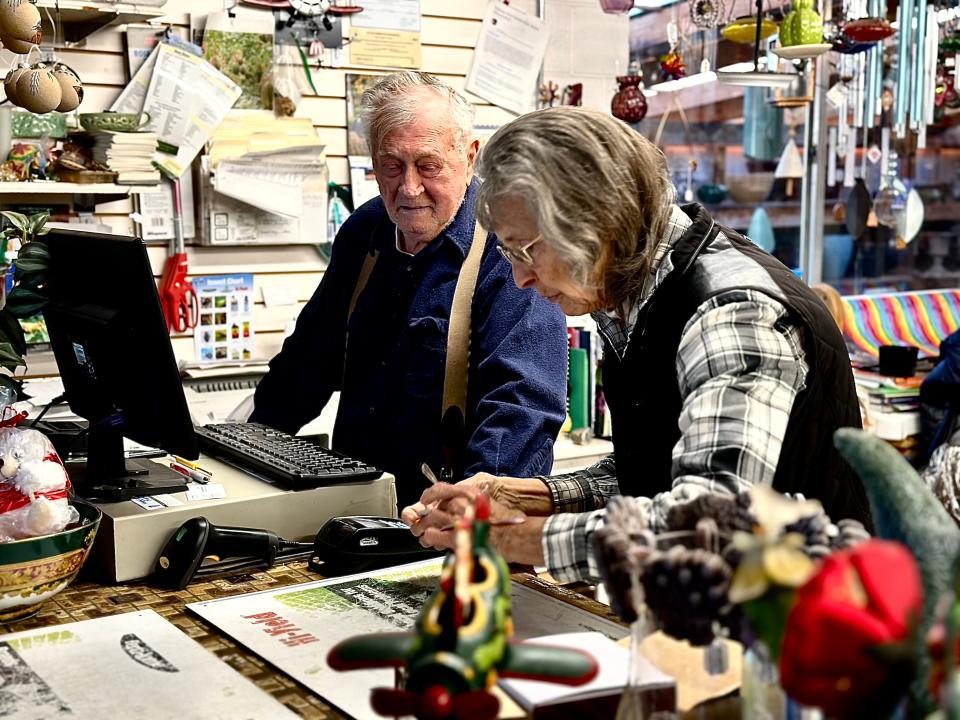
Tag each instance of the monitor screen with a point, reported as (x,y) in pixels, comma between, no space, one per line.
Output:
(111,344)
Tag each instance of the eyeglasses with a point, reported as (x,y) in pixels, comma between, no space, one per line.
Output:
(520,255)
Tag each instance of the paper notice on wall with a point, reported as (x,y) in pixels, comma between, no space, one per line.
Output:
(187,99)
(385,48)
(225,330)
(507,58)
(389,15)
(155,210)
(363,183)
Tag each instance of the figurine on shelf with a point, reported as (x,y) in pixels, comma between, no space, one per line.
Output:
(461,642)
(548,95)
(672,66)
(572,95)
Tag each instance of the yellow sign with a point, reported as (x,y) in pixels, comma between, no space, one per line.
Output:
(385,48)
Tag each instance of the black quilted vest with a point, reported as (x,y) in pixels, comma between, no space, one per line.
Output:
(644,397)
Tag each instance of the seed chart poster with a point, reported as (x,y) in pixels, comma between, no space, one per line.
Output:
(294,628)
(134,665)
(224,329)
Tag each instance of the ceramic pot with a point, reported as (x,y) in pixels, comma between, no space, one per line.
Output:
(629,103)
(801,26)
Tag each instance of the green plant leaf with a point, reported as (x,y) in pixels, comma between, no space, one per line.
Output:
(34,251)
(19,220)
(30,266)
(10,331)
(32,279)
(37,222)
(24,302)
(9,357)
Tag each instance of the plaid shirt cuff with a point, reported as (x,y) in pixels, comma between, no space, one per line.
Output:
(566,546)
(584,490)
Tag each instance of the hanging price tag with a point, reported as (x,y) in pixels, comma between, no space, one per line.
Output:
(837,95)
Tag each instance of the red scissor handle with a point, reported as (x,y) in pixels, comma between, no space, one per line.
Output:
(180,304)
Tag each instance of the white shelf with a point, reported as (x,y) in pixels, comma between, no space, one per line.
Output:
(64,188)
(81,18)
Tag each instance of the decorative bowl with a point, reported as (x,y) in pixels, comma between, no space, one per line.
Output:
(33,570)
(712,194)
(750,189)
(113,122)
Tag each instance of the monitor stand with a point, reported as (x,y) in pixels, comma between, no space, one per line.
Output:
(109,477)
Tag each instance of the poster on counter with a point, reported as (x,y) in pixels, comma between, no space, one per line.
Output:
(294,628)
(130,665)
(224,331)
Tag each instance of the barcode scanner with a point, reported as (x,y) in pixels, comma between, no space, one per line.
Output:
(199,548)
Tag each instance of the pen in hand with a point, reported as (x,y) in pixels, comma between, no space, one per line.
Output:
(428,474)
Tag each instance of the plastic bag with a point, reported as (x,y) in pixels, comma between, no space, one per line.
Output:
(34,486)
(286,90)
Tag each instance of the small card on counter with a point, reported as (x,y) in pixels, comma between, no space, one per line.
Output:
(211,491)
(147,503)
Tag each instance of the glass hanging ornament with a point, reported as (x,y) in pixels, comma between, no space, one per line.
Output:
(672,66)
(801,26)
(616,7)
(890,201)
(706,14)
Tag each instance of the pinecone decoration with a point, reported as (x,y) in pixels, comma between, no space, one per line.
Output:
(686,590)
(621,547)
(816,533)
(731,513)
(849,534)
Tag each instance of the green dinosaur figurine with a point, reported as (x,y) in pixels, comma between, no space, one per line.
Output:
(905,510)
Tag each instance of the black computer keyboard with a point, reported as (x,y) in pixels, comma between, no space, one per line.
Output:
(292,461)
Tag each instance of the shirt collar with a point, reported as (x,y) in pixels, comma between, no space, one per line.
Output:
(618,332)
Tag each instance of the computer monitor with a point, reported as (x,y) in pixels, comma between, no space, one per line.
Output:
(115,358)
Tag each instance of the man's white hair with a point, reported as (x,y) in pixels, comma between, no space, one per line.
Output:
(393,103)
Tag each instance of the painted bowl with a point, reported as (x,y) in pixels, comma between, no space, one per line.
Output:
(35,569)
(113,122)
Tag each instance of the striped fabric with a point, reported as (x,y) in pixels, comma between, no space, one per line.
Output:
(921,318)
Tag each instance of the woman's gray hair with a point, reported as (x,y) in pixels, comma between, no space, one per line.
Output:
(390,104)
(601,193)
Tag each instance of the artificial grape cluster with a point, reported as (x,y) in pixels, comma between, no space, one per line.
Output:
(849,534)
(816,533)
(686,590)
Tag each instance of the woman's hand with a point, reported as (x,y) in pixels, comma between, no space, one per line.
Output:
(442,506)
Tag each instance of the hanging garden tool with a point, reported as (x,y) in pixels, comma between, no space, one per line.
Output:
(179,301)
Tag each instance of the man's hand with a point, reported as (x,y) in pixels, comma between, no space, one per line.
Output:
(442,505)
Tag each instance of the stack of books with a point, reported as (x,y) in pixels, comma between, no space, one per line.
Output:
(891,405)
(129,154)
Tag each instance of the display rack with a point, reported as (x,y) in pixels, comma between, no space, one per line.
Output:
(79,19)
(43,187)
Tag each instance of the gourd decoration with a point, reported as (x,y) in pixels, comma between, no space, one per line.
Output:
(70,87)
(38,90)
(20,26)
(801,26)
(10,82)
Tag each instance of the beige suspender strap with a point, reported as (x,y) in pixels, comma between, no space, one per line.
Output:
(458,334)
(362,279)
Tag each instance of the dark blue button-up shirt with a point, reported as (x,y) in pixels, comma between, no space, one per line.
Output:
(391,373)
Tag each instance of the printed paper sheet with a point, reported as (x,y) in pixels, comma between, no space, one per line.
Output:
(295,627)
(133,665)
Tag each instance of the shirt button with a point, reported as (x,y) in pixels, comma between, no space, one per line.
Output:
(372,410)
(409,268)
(383,363)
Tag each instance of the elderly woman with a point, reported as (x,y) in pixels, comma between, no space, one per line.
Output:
(722,370)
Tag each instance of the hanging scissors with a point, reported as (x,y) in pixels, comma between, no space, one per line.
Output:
(180,304)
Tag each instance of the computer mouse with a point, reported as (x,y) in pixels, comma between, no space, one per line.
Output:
(359,543)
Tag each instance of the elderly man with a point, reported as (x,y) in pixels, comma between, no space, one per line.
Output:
(376,329)
(722,370)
